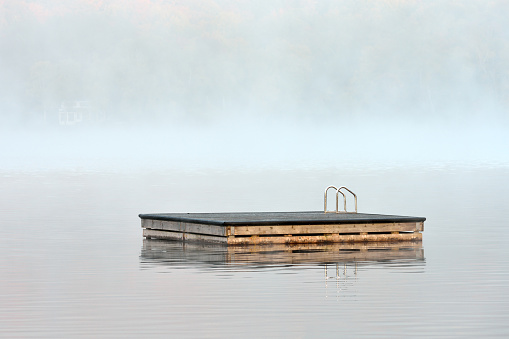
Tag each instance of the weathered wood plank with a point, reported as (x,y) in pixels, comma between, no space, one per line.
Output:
(300,239)
(178,226)
(363,246)
(146,223)
(314,229)
(170,235)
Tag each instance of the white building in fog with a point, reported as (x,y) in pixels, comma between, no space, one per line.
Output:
(76,112)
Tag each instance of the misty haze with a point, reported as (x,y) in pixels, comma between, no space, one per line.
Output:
(266,82)
(111,109)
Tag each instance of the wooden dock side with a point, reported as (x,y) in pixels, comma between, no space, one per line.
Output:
(327,229)
(326,238)
(282,227)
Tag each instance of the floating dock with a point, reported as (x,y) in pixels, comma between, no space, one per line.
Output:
(281,227)
(284,227)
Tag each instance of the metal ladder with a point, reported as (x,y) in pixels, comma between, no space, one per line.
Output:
(338,191)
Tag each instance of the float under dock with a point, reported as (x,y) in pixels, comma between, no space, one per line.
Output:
(281,227)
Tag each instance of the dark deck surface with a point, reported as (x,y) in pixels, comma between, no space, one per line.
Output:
(279,218)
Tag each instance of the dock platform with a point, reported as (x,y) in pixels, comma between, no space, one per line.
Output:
(282,227)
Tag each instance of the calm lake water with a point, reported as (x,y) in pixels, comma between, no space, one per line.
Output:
(73,262)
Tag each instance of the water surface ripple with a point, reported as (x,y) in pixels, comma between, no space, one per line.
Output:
(74,264)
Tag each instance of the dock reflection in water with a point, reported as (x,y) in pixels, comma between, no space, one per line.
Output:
(188,254)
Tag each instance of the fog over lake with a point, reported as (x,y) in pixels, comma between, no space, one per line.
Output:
(113,108)
(237,82)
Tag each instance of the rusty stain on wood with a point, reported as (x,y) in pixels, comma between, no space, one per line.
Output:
(300,239)
(338,228)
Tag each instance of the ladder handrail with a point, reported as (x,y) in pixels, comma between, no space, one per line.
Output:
(337,200)
(354,196)
(338,191)
(325,199)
